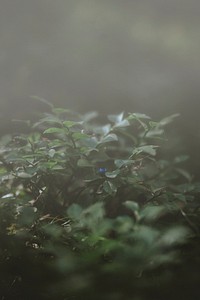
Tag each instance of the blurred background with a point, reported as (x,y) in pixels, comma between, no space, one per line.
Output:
(108,55)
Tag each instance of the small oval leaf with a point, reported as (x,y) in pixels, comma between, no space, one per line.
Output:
(53,130)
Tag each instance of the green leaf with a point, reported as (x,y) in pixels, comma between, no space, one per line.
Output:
(181,158)
(132,205)
(151,213)
(124,224)
(106,129)
(102,130)
(99,155)
(59,110)
(155,133)
(168,120)
(138,116)
(27,215)
(149,149)
(52,153)
(153,124)
(84,163)
(146,236)
(53,130)
(74,211)
(14,158)
(123,162)
(80,136)
(123,123)
(112,174)
(24,175)
(8,196)
(94,213)
(69,124)
(90,142)
(109,187)
(174,236)
(47,165)
(109,138)
(48,119)
(116,118)
(57,167)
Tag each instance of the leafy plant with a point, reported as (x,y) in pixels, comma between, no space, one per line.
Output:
(95,205)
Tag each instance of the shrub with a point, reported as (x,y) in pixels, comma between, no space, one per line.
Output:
(92,210)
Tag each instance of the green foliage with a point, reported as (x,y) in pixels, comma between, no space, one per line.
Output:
(92,211)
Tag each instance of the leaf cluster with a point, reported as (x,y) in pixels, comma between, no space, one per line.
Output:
(91,202)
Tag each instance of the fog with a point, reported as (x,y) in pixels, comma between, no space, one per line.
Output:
(103,55)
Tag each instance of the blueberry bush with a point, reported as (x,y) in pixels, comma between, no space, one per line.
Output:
(92,211)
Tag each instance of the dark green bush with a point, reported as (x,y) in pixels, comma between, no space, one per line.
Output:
(93,211)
